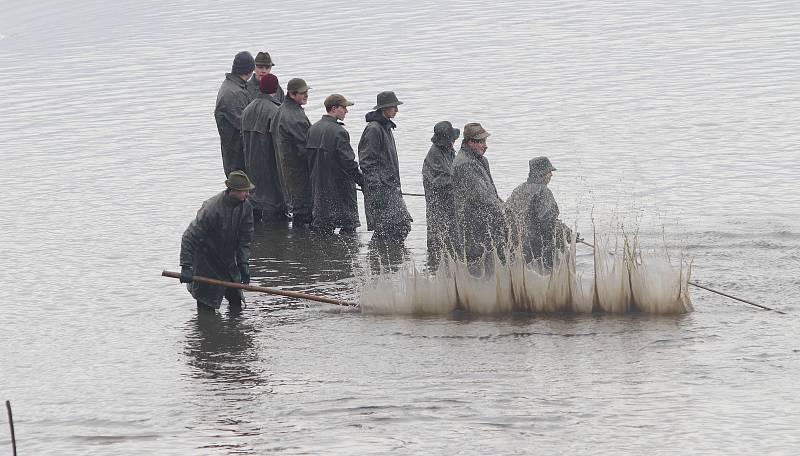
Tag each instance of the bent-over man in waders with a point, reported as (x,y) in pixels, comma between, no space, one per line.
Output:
(532,214)
(217,244)
(335,171)
(232,98)
(290,131)
(264,66)
(261,162)
(437,179)
(384,206)
(479,210)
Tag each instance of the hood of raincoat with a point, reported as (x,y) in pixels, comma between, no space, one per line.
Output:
(377,116)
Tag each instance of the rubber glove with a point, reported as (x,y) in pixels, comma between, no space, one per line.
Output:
(186,274)
(244,270)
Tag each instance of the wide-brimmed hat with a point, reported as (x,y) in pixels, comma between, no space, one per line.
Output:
(474,130)
(263,58)
(336,100)
(444,133)
(238,180)
(386,99)
(540,166)
(297,85)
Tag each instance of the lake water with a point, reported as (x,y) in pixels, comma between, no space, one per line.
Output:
(678,120)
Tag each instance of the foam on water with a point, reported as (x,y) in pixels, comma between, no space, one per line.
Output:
(623,279)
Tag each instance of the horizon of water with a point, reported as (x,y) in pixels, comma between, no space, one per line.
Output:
(676,121)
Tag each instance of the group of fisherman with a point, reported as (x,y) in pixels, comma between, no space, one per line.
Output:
(281,167)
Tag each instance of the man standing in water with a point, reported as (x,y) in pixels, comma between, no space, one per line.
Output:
(437,179)
(479,210)
(217,244)
(232,98)
(290,131)
(260,159)
(335,171)
(532,214)
(384,206)
(264,66)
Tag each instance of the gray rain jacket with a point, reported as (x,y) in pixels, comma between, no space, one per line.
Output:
(289,131)
(384,206)
(216,243)
(335,175)
(479,211)
(260,158)
(440,210)
(232,98)
(532,214)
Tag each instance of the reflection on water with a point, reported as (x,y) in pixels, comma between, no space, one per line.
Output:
(221,349)
(282,256)
(385,255)
(679,114)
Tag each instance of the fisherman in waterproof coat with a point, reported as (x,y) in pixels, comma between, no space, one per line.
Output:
(264,66)
(232,98)
(532,214)
(290,130)
(479,210)
(260,157)
(384,206)
(335,171)
(217,244)
(437,179)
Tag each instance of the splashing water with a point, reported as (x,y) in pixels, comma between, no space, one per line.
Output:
(625,279)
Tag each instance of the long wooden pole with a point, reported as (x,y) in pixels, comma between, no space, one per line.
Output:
(274,291)
(717,291)
(11,424)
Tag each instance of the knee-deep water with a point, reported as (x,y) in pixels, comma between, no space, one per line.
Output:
(676,120)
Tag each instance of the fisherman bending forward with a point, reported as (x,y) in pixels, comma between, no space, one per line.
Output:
(217,244)
(532,214)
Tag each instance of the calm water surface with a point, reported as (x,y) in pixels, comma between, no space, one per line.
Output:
(679,120)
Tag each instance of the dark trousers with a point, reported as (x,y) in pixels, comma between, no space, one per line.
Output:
(232,295)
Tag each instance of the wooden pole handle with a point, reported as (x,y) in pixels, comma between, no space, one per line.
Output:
(274,291)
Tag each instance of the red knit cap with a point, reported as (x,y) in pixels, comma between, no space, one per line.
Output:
(268,84)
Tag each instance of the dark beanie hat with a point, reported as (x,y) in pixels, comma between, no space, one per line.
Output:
(243,63)
(268,83)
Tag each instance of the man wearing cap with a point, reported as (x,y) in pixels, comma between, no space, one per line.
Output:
(217,244)
(260,159)
(290,131)
(264,66)
(532,214)
(384,206)
(479,210)
(335,171)
(437,179)
(232,98)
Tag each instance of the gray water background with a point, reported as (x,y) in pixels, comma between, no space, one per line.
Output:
(679,119)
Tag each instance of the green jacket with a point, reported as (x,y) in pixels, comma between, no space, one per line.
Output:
(216,243)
